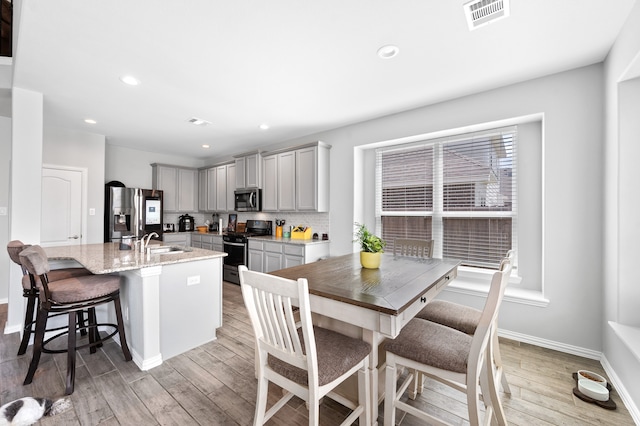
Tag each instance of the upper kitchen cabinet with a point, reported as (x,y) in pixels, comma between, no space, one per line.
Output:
(297,179)
(179,186)
(248,170)
(217,185)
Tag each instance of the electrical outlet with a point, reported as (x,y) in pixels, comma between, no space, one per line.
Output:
(3,211)
(92,212)
(193,280)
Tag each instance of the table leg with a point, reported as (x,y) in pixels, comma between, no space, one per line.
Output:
(374,339)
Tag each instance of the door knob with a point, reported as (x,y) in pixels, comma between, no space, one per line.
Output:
(75,237)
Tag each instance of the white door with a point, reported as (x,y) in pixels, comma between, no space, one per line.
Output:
(61,207)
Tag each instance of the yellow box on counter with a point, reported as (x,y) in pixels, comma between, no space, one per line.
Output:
(301,233)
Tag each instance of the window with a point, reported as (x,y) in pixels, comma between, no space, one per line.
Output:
(459,191)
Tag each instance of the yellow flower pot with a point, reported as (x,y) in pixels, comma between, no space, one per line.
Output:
(370,260)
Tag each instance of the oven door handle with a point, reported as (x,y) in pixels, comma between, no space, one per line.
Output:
(228,243)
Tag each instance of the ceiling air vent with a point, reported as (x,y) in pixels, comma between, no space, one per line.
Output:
(198,121)
(483,12)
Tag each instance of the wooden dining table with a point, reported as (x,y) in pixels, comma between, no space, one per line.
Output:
(371,304)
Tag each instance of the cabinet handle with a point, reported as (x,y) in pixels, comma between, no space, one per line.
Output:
(423,299)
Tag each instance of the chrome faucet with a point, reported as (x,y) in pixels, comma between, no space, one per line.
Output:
(144,244)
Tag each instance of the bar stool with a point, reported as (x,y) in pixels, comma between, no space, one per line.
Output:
(70,296)
(30,290)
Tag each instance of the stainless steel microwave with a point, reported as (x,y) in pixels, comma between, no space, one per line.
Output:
(248,200)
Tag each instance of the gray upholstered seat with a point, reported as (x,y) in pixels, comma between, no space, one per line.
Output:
(337,354)
(433,344)
(460,317)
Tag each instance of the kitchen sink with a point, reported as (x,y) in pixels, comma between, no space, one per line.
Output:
(167,250)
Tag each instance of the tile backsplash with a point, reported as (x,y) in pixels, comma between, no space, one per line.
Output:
(319,222)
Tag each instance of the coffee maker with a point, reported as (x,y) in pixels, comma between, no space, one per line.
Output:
(185,223)
(214,225)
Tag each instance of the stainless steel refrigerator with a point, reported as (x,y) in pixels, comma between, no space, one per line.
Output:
(132,212)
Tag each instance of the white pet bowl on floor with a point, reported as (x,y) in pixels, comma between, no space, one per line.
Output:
(593,390)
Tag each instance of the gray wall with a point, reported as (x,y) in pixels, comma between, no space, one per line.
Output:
(5,163)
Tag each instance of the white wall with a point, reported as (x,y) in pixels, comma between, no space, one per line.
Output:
(620,222)
(82,150)
(5,162)
(133,167)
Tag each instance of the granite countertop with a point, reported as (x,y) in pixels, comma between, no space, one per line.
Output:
(288,240)
(107,258)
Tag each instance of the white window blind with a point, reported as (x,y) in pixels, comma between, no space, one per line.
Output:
(459,191)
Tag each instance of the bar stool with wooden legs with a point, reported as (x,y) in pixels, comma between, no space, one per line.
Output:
(70,296)
(30,290)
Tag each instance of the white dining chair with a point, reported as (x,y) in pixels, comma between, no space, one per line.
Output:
(413,247)
(451,357)
(465,319)
(306,361)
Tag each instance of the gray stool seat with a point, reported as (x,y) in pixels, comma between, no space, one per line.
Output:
(79,289)
(454,315)
(337,354)
(55,275)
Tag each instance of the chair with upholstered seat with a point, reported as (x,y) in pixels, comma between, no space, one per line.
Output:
(465,319)
(30,289)
(413,247)
(304,360)
(451,357)
(70,296)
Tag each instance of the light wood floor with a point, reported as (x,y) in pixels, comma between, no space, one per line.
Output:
(214,385)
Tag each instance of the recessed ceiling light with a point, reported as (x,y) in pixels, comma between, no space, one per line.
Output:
(388,51)
(130,80)
(264,126)
(205,146)
(90,121)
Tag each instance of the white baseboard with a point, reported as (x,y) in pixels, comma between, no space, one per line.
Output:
(3,301)
(629,403)
(622,391)
(550,344)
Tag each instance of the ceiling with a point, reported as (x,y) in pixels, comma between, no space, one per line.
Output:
(299,66)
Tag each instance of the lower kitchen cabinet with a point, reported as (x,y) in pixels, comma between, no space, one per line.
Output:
(206,241)
(178,238)
(269,256)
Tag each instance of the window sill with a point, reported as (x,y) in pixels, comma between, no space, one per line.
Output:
(629,335)
(475,282)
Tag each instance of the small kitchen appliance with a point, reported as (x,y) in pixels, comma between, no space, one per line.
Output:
(185,223)
(168,227)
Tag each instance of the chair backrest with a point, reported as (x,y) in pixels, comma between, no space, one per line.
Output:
(34,259)
(271,303)
(489,316)
(14,248)
(413,247)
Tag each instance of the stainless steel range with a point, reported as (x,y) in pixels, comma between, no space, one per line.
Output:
(236,246)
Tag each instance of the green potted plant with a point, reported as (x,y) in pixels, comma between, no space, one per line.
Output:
(371,247)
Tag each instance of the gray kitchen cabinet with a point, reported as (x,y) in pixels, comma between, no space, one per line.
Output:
(255,256)
(270,183)
(297,180)
(177,238)
(206,241)
(179,186)
(216,188)
(268,256)
(231,187)
(248,170)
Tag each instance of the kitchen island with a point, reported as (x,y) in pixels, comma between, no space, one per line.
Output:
(171,302)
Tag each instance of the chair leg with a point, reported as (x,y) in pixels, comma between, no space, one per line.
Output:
(83,329)
(491,391)
(71,354)
(94,335)
(390,392)
(261,404)
(41,325)
(364,396)
(28,323)
(498,362)
(123,339)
